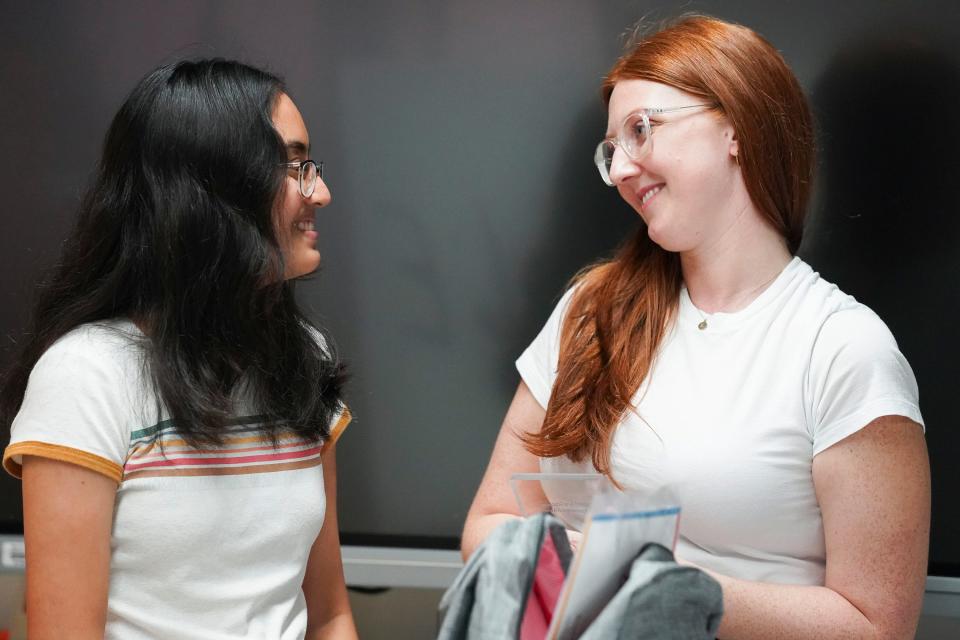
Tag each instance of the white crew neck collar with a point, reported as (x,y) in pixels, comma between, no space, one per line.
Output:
(690,317)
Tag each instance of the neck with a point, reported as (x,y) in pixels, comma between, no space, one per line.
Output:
(729,275)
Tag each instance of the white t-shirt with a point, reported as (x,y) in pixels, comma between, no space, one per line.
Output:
(732,416)
(208,544)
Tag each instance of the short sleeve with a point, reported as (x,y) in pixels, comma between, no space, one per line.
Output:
(338,426)
(857,374)
(538,363)
(76,408)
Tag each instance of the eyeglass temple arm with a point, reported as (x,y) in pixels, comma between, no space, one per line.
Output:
(669,109)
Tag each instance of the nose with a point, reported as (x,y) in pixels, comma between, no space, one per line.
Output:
(622,167)
(321,194)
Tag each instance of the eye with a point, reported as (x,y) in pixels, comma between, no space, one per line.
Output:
(634,124)
(636,132)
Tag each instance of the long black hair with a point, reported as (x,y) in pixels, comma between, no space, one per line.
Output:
(177,233)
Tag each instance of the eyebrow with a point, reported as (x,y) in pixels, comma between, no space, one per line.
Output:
(298,147)
(609,136)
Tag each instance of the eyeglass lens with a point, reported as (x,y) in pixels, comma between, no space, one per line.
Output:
(633,138)
(308,178)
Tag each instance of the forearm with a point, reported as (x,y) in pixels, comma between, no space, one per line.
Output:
(763,610)
(477,528)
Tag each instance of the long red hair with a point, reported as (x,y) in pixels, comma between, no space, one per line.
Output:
(622,307)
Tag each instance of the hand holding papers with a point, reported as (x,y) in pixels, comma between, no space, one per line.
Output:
(615,527)
(619,525)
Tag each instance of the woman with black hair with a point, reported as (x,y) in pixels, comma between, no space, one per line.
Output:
(173,412)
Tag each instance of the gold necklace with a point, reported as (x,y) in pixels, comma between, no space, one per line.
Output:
(702,325)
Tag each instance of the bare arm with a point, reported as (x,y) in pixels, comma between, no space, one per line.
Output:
(67,517)
(328,608)
(495,502)
(874,492)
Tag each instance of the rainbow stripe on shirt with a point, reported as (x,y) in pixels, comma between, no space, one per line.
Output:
(159,451)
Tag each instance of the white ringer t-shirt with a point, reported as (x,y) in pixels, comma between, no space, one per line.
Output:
(206,544)
(732,416)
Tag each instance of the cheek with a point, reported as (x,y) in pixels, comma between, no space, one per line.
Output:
(289,208)
(629,196)
(698,169)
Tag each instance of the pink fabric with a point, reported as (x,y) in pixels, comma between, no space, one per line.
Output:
(547,583)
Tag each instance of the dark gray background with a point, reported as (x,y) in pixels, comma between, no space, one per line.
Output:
(458,139)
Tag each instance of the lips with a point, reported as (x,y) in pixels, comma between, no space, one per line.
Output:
(647,193)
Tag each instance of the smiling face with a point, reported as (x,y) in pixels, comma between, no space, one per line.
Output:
(295,214)
(688,189)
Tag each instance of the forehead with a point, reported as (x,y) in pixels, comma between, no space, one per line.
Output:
(631,95)
(288,121)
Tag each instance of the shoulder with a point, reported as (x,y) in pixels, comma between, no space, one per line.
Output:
(848,335)
(84,395)
(847,326)
(561,314)
(855,350)
(856,329)
(563,304)
(832,319)
(856,371)
(537,364)
(111,348)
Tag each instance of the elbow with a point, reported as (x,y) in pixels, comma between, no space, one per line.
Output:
(906,628)
(898,623)
(468,538)
(476,529)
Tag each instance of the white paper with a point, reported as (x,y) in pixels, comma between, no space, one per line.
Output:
(618,526)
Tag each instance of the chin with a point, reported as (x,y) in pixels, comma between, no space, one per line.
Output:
(664,241)
(658,237)
(302,267)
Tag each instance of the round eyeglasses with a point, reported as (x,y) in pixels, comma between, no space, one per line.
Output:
(308,172)
(634,138)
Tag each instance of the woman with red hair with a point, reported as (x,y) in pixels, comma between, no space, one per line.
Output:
(707,356)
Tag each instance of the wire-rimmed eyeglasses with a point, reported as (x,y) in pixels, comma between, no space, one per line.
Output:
(308,172)
(634,138)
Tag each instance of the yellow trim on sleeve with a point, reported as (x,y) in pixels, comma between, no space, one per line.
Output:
(93,462)
(337,430)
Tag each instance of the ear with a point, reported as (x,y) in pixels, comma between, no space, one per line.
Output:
(733,145)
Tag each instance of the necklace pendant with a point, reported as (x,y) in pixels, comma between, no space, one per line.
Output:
(702,325)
